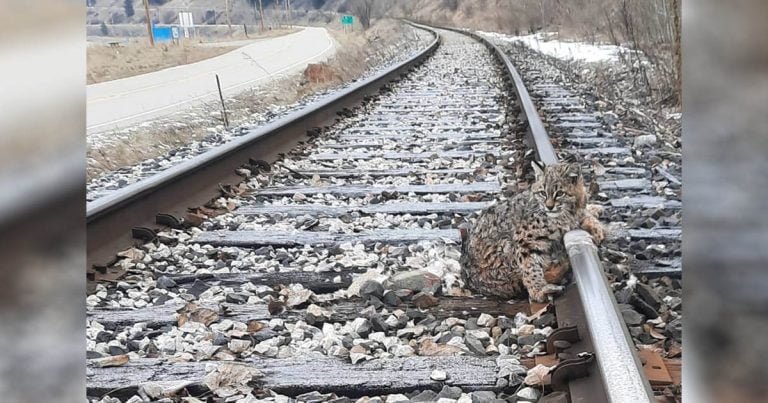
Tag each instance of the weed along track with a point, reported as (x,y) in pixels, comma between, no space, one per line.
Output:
(319,259)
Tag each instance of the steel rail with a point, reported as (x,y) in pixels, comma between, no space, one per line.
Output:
(538,138)
(621,370)
(621,374)
(194,182)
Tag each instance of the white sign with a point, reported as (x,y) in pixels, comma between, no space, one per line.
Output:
(185,19)
(175,32)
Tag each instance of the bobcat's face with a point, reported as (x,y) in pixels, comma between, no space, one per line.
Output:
(557,188)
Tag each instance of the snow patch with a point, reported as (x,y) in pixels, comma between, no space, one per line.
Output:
(543,42)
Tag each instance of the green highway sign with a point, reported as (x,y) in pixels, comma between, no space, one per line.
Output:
(347,19)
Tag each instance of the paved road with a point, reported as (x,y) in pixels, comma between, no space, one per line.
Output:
(120,103)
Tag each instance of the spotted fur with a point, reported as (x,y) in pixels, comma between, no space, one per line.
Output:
(516,245)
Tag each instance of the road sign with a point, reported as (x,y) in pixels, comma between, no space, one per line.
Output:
(347,20)
(185,20)
(162,34)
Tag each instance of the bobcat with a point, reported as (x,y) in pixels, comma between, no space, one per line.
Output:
(518,243)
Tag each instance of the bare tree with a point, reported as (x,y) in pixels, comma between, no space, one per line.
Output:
(362,9)
(678,50)
(650,27)
(261,11)
(128,5)
(290,12)
(261,14)
(229,21)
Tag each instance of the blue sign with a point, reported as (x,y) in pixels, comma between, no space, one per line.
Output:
(162,34)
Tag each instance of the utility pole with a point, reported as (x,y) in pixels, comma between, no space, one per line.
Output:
(149,24)
(261,14)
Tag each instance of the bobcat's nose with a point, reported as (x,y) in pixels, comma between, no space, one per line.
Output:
(550,204)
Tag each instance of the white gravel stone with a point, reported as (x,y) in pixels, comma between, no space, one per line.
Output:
(520,319)
(486,320)
(92,300)
(456,341)
(338,351)
(360,324)
(438,375)
(378,337)
(465,398)
(479,334)
(528,394)
(126,303)
(238,346)
(358,357)
(645,140)
(402,350)
(525,330)
(451,322)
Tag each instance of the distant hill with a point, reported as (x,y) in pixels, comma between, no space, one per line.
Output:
(490,14)
(590,19)
(205,11)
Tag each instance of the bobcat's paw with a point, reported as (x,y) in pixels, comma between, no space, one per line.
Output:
(595,228)
(598,234)
(542,295)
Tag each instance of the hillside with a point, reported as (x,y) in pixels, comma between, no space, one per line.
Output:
(605,20)
(210,11)
(651,26)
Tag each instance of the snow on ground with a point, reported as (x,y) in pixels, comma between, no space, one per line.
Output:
(541,42)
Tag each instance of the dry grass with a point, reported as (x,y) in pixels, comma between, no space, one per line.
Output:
(143,145)
(357,52)
(107,63)
(238,34)
(648,25)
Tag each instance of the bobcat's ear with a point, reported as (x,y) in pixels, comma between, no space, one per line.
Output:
(537,169)
(574,172)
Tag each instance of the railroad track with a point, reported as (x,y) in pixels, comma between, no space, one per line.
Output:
(332,273)
(639,189)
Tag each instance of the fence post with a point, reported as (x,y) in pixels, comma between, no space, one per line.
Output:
(223,108)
